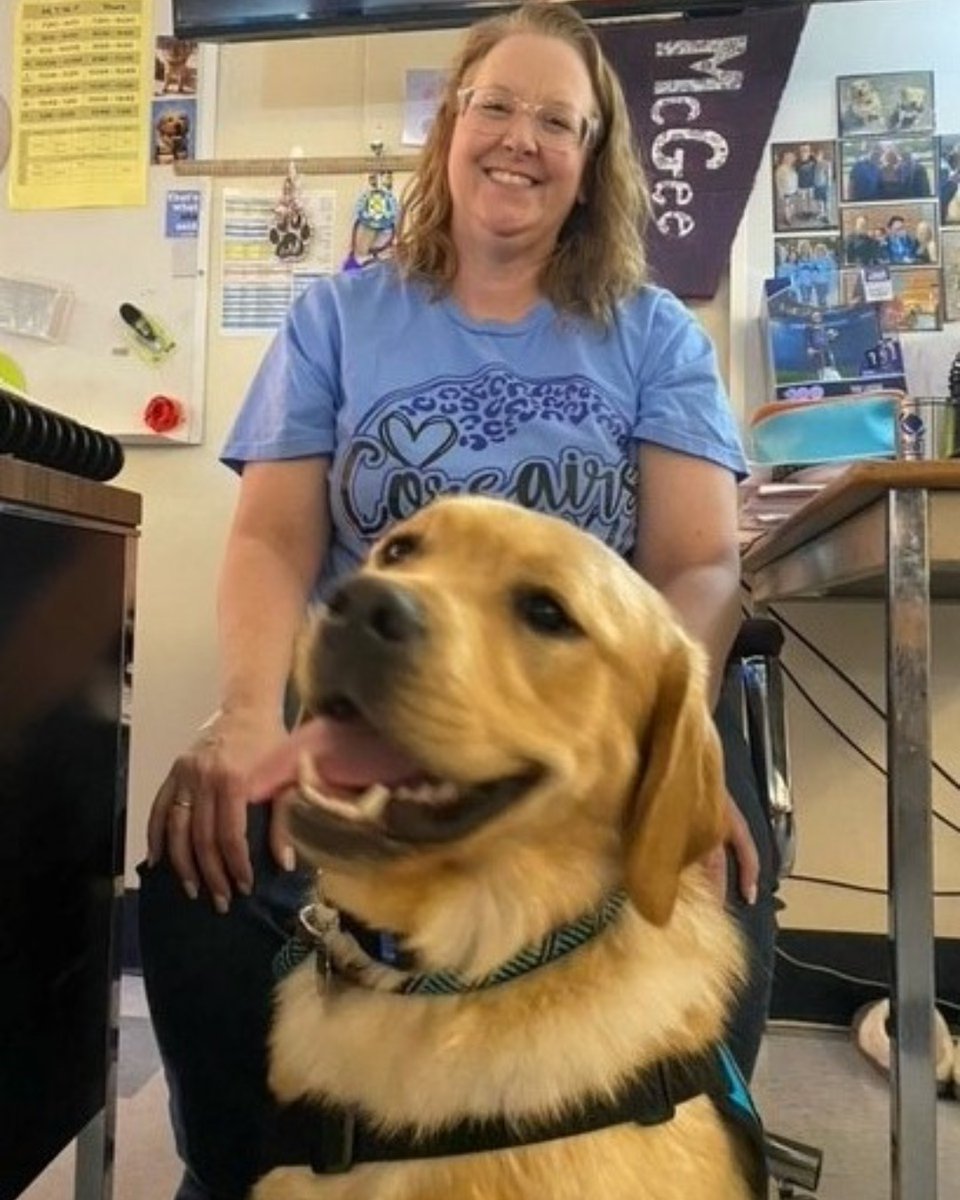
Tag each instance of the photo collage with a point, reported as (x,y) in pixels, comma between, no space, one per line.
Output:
(883,197)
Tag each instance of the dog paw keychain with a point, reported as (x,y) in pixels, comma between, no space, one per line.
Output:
(290,230)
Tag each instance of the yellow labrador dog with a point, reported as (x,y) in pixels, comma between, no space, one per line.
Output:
(514,976)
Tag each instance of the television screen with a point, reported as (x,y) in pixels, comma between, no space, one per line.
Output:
(251,20)
(257,20)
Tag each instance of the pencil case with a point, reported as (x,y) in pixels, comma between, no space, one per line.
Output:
(835,429)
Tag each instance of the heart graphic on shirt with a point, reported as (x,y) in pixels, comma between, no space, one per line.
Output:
(418,445)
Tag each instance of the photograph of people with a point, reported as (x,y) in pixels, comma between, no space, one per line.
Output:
(887,169)
(898,102)
(950,179)
(916,304)
(950,245)
(897,234)
(804,185)
(812,266)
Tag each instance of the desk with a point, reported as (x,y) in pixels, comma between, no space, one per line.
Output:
(890,530)
(66,613)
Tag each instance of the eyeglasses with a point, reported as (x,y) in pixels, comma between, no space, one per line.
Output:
(557,125)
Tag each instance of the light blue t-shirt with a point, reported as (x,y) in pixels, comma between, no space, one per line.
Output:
(412,399)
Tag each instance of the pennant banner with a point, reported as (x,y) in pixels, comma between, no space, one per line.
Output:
(702,94)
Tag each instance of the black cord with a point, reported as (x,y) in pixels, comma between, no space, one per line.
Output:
(865,888)
(823,969)
(854,687)
(841,733)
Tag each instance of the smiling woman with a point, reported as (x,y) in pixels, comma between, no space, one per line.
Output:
(513,349)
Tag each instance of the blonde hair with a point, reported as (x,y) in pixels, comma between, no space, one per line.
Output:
(599,258)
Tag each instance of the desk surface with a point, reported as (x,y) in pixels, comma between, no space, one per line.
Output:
(39,488)
(836,543)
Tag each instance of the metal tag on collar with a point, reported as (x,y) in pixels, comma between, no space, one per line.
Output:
(317,923)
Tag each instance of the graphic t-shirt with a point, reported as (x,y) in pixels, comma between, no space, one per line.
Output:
(411,399)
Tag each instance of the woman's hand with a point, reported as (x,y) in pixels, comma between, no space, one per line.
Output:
(200,812)
(740,843)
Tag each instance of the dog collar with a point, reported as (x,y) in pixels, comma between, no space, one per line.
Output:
(318,924)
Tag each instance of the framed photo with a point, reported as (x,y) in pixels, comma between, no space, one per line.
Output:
(900,102)
(950,246)
(814,352)
(950,178)
(811,264)
(804,185)
(899,235)
(887,168)
(917,303)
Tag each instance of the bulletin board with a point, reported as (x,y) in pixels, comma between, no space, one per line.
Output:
(88,262)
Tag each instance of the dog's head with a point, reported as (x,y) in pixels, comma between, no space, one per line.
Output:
(913,98)
(173,125)
(493,683)
(864,97)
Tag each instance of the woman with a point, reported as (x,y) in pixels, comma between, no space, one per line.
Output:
(514,349)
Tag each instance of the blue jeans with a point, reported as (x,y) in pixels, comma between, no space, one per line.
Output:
(209,982)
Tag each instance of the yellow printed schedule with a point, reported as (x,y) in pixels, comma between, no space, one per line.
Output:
(81,102)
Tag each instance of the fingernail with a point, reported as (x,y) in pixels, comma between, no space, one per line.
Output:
(752,894)
(244,888)
(221,904)
(191,889)
(289,859)
(151,861)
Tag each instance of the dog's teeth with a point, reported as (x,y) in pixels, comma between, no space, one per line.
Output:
(428,793)
(342,808)
(307,775)
(373,801)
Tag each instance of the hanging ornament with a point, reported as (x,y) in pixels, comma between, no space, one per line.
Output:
(375,217)
(290,230)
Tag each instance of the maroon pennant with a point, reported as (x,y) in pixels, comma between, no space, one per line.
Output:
(702,94)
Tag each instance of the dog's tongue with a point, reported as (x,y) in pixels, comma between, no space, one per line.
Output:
(346,755)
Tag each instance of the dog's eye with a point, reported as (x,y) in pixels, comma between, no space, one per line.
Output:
(398,548)
(544,613)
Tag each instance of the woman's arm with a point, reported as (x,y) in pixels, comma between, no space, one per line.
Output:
(276,544)
(687,547)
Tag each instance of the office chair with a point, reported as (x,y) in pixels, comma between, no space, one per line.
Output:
(755,682)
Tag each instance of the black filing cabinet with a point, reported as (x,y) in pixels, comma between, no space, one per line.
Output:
(67,554)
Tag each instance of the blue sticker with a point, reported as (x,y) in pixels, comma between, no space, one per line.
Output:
(183,214)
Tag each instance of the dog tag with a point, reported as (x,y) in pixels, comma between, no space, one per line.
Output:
(317,922)
(324,969)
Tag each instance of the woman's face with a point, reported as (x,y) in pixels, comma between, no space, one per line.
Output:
(509,192)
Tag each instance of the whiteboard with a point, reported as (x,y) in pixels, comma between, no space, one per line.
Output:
(98,259)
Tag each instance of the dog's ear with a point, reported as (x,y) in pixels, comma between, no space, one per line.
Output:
(679,810)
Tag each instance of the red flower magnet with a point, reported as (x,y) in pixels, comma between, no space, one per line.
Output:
(163,414)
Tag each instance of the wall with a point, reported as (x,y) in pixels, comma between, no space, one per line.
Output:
(332,96)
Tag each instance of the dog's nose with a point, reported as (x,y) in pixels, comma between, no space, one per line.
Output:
(378,611)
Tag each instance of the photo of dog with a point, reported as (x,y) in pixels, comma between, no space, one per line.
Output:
(173,123)
(908,112)
(175,67)
(515,773)
(898,102)
(861,109)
